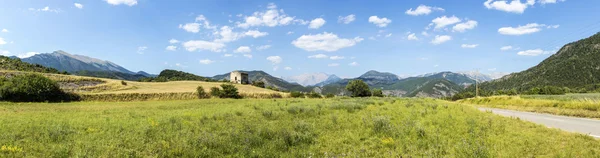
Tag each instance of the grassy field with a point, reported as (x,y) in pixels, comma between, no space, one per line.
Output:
(339,127)
(579,105)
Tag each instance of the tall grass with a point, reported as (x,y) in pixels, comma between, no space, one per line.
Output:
(559,105)
(277,128)
(119,97)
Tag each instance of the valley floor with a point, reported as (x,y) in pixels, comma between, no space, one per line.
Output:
(339,127)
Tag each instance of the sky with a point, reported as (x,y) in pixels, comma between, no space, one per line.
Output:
(286,38)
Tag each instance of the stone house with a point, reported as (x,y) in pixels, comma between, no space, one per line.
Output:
(239,77)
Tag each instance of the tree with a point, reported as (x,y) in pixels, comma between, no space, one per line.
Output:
(215,92)
(229,91)
(296,94)
(201,93)
(377,93)
(358,88)
(32,88)
(260,84)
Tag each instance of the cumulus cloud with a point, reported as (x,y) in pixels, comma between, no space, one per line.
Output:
(171,48)
(141,49)
(514,6)
(318,56)
(227,55)
(441,22)
(325,41)
(287,68)
(346,19)
(4,53)
(243,49)
(316,23)
(505,48)
(194,45)
(533,52)
(263,47)
(190,27)
(270,18)
(173,41)
(469,45)
(333,64)
(441,39)
(45,9)
(2,42)
(353,64)
(550,1)
(4,30)
(124,2)
(380,22)
(248,56)
(206,61)
(462,27)
(412,37)
(274,59)
(78,5)
(521,30)
(337,57)
(255,33)
(422,10)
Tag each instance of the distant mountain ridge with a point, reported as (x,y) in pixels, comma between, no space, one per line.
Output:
(268,80)
(308,79)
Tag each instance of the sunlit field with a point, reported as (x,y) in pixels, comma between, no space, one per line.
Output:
(578,105)
(339,127)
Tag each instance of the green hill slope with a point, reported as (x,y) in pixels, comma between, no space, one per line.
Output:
(15,64)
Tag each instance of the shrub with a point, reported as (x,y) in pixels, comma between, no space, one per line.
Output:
(297,94)
(377,93)
(273,88)
(329,95)
(229,91)
(33,88)
(358,88)
(123,83)
(201,93)
(260,84)
(314,95)
(215,92)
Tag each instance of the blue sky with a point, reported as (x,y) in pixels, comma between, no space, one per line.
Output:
(286,38)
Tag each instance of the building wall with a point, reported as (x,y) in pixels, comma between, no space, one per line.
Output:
(238,77)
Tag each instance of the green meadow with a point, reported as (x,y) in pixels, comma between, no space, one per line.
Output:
(338,127)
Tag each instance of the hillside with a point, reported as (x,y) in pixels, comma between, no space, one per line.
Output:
(457,78)
(15,64)
(269,81)
(575,65)
(174,75)
(309,79)
(437,88)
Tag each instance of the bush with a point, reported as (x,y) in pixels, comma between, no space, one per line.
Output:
(33,88)
(201,93)
(377,93)
(260,84)
(123,83)
(314,95)
(358,88)
(273,88)
(329,95)
(229,91)
(215,92)
(297,94)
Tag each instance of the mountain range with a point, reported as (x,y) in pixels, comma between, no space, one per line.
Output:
(310,79)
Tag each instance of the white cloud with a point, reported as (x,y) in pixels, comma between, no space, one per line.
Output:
(27,55)
(336,57)
(380,22)
(45,9)
(469,45)
(205,22)
(227,55)
(173,41)
(423,10)
(436,65)
(78,5)
(255,33)
(533,52)
(287,68)
(190,27)
(346,19)
(553,26)
(4,53)
(274,59)
(263,47)
(171,48)
(2,42)
(227,35)
(243,49)
(462,27)
(194,45)
(4,30)
(325,41)
(141,49)
(290,32)
(333,64)
(388,35)
(353,64)
(412,37)
(206,61)
(514,6)
(119,2)
(550,1)
(505,48)
(441,39)
(318,56)
(248,56)
(316,23)
(271,18)
(441,22)
(521,30)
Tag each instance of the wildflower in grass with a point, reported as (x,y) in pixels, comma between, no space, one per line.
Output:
(388,141)
(10,149)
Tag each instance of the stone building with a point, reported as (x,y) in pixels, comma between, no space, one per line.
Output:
(238,77)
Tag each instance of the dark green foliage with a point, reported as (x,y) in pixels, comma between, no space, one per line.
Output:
(123,83)
(273,88)
(377,93)
(329,95)
(229,91)
(32,88)
(174,75)
(314,95)
(296,94)
(201,93)
(260,84)
(358,88)
(215,91)
(16,64)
